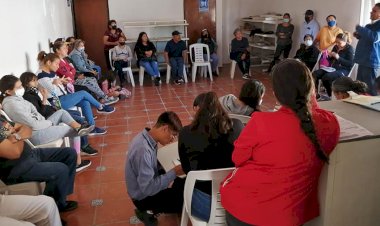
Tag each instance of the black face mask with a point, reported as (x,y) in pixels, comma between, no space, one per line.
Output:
(122,43)
(114,27)
(307,19)
(204,36)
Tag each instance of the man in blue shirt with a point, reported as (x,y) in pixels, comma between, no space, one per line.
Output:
(309,27)
(151,191)
(175,56)
(367,54)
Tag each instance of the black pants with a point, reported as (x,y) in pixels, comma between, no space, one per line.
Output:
(233,221)
(328,78)
(55,166)
(119,65)
(169,200)
(106,55)
(279,50)
(242,64)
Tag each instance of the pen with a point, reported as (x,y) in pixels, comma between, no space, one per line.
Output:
(378,102)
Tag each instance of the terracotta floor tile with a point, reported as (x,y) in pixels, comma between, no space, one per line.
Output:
(85,193)
(115,149)
(114,161)
(118,210)
(87,177)
(113,174)
(113,190)
(83,216)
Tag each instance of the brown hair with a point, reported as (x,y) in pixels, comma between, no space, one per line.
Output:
(7,82)
(57,45)
(296,95)
(171,119)
(345,36)
(27,77)
(77,42)
(45,57)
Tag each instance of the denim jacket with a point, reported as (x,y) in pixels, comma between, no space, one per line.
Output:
(368,48)
(80,62)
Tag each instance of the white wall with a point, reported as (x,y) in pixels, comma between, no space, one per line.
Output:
(27,25)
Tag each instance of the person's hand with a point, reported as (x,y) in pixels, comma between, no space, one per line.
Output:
(44,92)
(94,72)
(243,56)
(148,53)
(356,35)
(81,76)
(57,82)
(178,170)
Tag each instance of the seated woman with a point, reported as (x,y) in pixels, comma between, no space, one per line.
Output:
(308,53)
(122,56)
(208,40)
(250,98)
(341,59)
(279,155)
(70,44)
(79,82)
(207,143)
(341,86)
(58,95)
(30,84)
(146,57)
(240,53)
(81,62)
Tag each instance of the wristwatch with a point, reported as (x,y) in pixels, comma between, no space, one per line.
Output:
(17,136)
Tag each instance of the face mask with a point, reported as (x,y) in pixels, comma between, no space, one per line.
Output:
(331,23)
(114,26)
(81,49)
(122,43)
(309,42)
(286,20)
(20,92)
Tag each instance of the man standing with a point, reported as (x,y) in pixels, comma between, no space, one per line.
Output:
(367,53)
(175,56)
(309,26)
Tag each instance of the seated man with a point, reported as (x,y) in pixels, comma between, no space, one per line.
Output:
(25,210)
(175,56)
(152,192)
(19,163)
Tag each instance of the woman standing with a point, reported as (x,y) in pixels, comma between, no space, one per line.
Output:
(111,39)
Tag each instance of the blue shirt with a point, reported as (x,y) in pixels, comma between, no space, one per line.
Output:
(311,28)
(368,48)
(141,169)
(175,49)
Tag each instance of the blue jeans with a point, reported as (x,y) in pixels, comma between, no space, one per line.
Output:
(98,69)
(83,100)
(214,60)
(55,166)
(201,205)
(176,64)
(78,118)
(151,68)
(369,76)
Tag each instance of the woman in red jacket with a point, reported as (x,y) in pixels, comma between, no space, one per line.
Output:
(279,156)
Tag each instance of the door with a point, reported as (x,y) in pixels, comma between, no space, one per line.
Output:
(199,20)
(90,19)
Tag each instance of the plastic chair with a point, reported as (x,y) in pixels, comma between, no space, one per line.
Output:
(125,69)
(243,118)
(168,68)
(198,59)
(217,214)
(233,64)
(354,72)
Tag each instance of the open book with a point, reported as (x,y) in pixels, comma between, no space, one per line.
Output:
(327,69)
(372,102)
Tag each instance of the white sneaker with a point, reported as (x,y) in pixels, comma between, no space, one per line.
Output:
(111,100)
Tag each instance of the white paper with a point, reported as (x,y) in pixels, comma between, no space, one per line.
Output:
(350,130)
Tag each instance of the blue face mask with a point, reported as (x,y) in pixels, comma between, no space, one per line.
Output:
(331,23)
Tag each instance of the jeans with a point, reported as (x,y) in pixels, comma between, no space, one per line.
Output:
(328,78)
(92,84)
(201,205)
(55,166)
(98,69)
(242,64)
(119,65)
(176,64)
(83,100)
(369,76)
(151,68)
(78,118)
(214,61)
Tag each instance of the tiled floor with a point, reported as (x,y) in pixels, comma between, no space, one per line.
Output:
(101,190)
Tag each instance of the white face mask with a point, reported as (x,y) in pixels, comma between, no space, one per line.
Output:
(81,49)
(308,42)
(20,92)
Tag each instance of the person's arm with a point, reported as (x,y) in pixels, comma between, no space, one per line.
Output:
(10,147)
(368,34)
(182,152)
(106,42)
(347,59)
(166,53)
(317,39)
(153,48)
(315,29)
(77,59)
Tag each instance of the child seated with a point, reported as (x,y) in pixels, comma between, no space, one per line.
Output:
(109,87)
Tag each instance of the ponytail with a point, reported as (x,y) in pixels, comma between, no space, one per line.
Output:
(44,57)
(7,82)
(345,36)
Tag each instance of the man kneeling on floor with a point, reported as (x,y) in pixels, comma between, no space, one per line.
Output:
(152,191)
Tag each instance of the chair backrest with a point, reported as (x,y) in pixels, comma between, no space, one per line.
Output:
(316,66)
(354,71)
(217,214)
(198,56)
(110,52)
(167,154)
(243,118)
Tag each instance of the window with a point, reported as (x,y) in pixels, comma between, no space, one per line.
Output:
(366,8)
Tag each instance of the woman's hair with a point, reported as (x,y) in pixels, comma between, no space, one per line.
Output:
(27,77)
(308,35)
(296,95)
(208,33)
(77,42)
(345,36)
(7,82)
(110,22)
(211,118)
(199,99)
(107,76)
(237,30)
(139,39)
(45,57)
(56,45)
(345,84)
(286,14)
(68,38)
(330,16)
(251,93)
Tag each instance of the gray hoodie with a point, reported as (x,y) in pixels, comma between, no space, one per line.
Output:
(229,105)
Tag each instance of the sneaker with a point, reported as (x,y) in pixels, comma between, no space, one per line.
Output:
(157,81)
(89,151)
(246,76)
(106,110)
(97,131)
(70,205)
(178,81)
(83,165)
(111,100)
(84,130)
(147,217)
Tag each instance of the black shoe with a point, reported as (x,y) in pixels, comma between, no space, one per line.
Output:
(215,74)
(157,81)
(147,218)
(70,205)
(63,222)
(83,165)
(88,150)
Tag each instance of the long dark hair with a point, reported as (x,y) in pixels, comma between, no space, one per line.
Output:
(345,84)
(139,39)
(296,95)
(211,118)
(7,82)
(26,78)
(251,93)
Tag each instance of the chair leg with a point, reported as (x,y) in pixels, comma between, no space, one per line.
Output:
(130,74)
(168,68)
(194,72)
(210,71)
(185,217)
(217,70)
(141,76)
(232,71)
(184,73)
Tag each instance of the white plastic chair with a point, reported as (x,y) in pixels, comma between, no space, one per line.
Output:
(198,59)
(354,72)
(316,66)
(128,69)
(217,214)
(168,68)
(233,64)
(243,118)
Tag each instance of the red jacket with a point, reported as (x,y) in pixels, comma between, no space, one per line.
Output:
(277,174)
(67,70)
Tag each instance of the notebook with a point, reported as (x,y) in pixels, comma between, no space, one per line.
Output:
(371,102)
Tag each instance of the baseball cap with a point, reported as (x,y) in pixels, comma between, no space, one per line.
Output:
(309,12)
(176,33)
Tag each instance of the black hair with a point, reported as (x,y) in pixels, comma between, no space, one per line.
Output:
(68,38)
(286,14)
(251,93)
(171,119)
(7,82)
(345,84)
(296,95)
(329,16)
(308,35)
(139,39)
(377,5)
(45,57)
(110,22)
(26,78)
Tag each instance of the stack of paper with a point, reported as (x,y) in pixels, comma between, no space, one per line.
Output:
(350,130)
(371,102)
